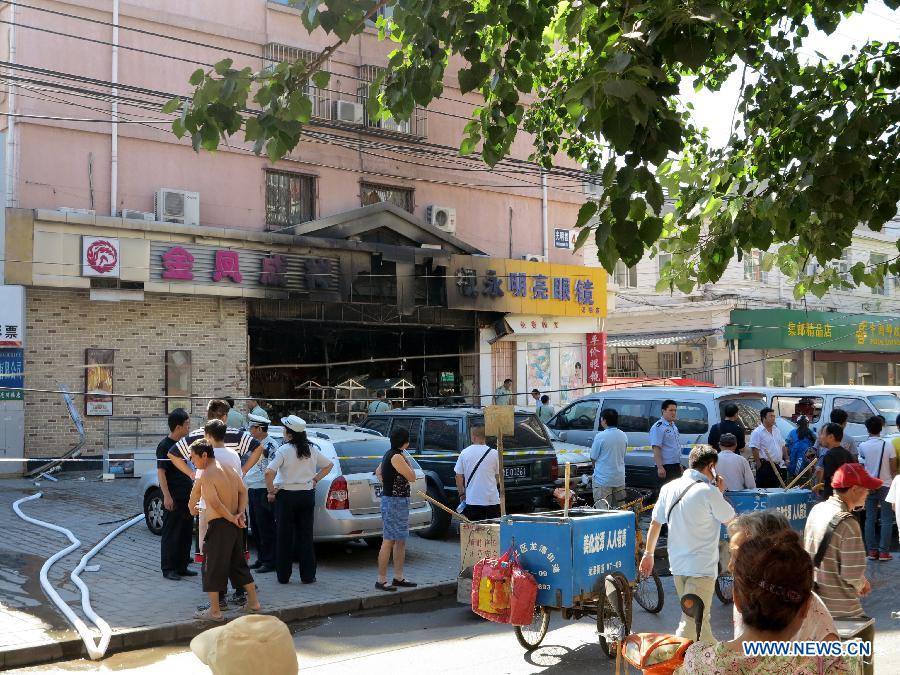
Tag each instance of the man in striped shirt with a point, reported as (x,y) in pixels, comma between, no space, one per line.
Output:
(841,575)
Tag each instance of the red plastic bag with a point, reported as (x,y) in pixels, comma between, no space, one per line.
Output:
(524,595)
(492,588)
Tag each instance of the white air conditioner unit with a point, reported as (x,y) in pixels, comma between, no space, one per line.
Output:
(687,358)
(390,124)
(348,112)
(534,257)
(177,206)
(442,217)
(714,342)
(80,212)
(138,215)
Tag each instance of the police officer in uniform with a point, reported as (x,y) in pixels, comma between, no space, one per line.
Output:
(666,444)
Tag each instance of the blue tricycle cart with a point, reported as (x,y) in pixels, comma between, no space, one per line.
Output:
(582,563)
(794,503)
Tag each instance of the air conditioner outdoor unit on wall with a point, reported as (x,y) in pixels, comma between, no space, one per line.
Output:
(714,342)
(443,217)
(177,206)
(138,215)
(534,257)
(348,112)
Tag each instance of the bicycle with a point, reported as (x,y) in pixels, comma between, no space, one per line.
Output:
(648,591)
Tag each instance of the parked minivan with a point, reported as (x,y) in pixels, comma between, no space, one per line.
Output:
(816,403)
(442,432)
(639,409)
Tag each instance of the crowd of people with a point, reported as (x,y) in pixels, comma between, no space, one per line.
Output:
(231,476)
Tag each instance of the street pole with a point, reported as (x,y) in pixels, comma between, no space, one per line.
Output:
(502,475)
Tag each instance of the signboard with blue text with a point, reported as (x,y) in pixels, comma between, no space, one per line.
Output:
(570,557)
(793,504)
(12,374)
(525,287)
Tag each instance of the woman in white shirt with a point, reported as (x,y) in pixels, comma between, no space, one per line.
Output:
(298,467)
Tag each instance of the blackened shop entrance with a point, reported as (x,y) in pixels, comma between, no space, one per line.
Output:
(327,361)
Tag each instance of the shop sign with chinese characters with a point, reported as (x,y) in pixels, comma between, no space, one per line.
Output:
(822,331)
(596,358)
(523,287)
(12,316)
(220,266)
(12,374)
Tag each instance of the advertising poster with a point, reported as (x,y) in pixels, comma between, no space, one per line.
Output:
(98,376)
(571,372)
(178,379)
(539,364)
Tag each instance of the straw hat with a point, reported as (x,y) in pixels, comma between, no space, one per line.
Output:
(256,643)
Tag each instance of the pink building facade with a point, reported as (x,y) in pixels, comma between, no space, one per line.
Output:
(71,173)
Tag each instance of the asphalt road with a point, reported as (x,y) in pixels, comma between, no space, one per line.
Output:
(444,637)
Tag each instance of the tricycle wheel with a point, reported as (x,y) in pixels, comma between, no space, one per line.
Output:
(648,592)
(725,588)
(531,636)
(613,613)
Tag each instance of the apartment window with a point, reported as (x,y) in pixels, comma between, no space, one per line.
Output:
(290,199)
(753,270)
(625,365)
(663,259)
(878,259)
(626,277)
(374,194)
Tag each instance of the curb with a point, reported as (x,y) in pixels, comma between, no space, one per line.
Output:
(166,634)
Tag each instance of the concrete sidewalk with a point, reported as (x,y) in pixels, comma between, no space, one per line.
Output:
(129,592)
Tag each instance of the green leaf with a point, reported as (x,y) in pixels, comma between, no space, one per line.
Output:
(619,62)
(624,89)
(650,230)
(223,66)
(472,78)
(585,213)
(620,206)
(618,128)
(171,105)
(582,237)
(197,77)
(469,144)
(321,78)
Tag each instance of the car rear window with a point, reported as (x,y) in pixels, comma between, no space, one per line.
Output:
(361,456)
(528,433)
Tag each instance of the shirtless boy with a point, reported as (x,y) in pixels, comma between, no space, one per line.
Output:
(225,496)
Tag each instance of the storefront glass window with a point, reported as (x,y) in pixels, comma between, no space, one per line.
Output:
(865,373)
(826,372)
(778,372)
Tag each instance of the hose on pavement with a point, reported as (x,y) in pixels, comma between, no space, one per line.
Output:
(95,650)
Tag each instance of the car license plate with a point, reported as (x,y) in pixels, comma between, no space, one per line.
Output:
(520,471)
(378,489)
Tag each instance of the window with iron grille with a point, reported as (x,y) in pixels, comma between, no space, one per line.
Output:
(625,365)
(275,53)
(753,269)
(290,199)
(876,259)
(416,125)
(373,194)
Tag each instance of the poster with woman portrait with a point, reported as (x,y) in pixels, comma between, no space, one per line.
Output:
(538,364)
(571,378)
(98,381)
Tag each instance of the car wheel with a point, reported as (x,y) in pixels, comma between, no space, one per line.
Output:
(154,510)
(440,519)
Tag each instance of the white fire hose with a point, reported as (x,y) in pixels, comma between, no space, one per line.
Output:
(95,651)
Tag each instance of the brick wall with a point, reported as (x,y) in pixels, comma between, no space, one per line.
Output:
(62,323)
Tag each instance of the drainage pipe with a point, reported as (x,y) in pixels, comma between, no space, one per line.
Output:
(94,650)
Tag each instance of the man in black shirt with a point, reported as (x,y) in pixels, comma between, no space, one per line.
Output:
(175,544)
(835,455)
(729,425)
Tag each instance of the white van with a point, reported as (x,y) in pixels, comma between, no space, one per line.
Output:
(639,408)
(860,403)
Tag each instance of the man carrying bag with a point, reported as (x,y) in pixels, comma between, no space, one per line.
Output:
(477,479)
